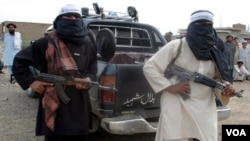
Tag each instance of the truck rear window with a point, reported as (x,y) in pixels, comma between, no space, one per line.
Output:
(127,36)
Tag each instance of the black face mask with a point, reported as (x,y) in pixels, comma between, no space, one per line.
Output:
(202,40)
(70,31)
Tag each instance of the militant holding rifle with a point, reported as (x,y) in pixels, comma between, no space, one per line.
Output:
(185,75)
(58,81)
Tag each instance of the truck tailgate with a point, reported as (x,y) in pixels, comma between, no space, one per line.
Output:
(134,92)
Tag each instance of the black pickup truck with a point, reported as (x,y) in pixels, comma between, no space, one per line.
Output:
(134,108)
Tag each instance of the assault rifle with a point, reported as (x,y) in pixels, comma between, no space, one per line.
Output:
(184,75)
(58,81)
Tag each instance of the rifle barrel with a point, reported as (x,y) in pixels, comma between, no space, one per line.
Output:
(50,78)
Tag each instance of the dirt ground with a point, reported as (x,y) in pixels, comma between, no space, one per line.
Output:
(240,111)
(18,111)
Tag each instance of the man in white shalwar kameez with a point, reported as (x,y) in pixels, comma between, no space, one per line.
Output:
(244,54)
(240,72)
(12,45)
(195,117)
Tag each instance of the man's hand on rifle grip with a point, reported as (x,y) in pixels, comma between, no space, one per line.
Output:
(179,88)
(39,86)
(228,91)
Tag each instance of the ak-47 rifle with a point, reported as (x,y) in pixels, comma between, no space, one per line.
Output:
(58,81)
(185,75)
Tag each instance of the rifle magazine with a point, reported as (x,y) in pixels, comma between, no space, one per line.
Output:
(61,94)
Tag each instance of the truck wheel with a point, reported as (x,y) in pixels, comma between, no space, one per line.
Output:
(138,137)
(102,135)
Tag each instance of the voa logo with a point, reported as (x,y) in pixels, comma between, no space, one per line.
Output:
(236,132)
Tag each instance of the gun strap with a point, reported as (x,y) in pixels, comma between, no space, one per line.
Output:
(173,60)
(178,52)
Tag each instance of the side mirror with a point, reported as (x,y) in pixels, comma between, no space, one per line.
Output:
(96,8)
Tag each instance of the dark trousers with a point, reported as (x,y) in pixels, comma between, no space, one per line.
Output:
(66,138)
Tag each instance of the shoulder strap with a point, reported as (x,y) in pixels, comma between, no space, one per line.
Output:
(166,73)
(178,52)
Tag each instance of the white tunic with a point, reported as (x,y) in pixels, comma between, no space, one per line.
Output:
(192,118)
(12,45)
(244,55)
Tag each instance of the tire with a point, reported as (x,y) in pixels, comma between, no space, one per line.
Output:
(102,135)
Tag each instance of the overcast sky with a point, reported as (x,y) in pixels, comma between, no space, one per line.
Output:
(166,15)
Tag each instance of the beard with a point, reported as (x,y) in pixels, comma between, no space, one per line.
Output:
(12,32)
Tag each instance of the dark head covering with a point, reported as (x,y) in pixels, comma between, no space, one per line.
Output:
(220,44)
(203,42)
(68,9)
(70,30)
(11,24)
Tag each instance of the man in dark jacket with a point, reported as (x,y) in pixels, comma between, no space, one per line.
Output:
(68,52)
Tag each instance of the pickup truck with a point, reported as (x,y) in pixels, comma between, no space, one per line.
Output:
(134,108)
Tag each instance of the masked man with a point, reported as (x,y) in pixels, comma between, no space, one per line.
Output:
(68,52)
(193,118)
